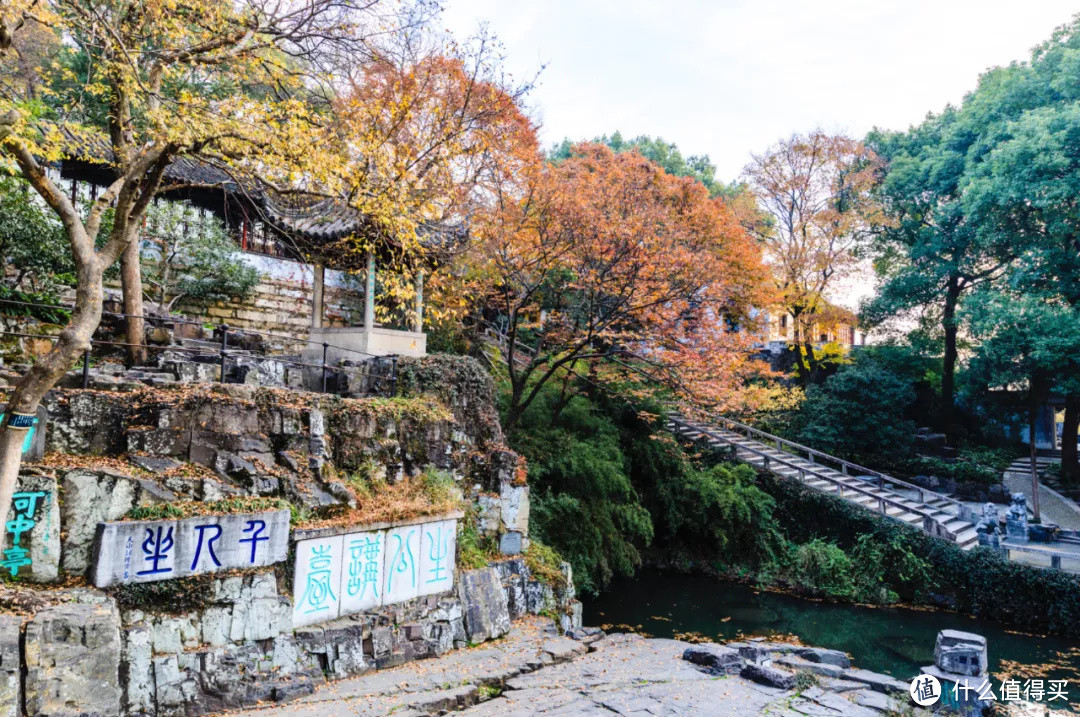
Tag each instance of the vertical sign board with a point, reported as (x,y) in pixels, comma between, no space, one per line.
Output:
(402,571)
(362,575)
(317,580)
(438,546)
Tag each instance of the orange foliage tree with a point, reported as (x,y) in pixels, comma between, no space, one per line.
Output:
(234,85)
(418,132)
(814,191)
(604,259)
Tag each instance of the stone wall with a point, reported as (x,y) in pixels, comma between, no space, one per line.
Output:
(90,652)
(226,639)
(281,302)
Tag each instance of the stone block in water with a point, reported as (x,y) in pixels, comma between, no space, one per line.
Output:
(960,653)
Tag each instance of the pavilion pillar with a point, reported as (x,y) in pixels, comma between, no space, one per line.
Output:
(369,294)
(418,316)
(317,294)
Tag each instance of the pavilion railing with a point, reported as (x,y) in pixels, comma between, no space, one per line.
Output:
(387,381)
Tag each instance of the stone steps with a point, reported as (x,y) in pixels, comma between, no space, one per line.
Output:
(864,492)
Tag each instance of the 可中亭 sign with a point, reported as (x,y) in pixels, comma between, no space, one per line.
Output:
(139,551)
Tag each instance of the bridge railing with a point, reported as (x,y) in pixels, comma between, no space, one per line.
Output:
(846,467)
(882,499)
(813,455)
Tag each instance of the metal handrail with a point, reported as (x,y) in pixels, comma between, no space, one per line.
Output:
(179,320)
(803,471)
(223,353)
(847,465)
(503,339)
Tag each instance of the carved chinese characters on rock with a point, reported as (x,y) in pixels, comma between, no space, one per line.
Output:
(317,580)
(402,566)
(144,551)
(363,574)
(346,574)
(437,558)
(25,507)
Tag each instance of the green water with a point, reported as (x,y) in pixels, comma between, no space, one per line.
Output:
(896,641)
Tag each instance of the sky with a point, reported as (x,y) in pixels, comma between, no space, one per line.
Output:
(730,77)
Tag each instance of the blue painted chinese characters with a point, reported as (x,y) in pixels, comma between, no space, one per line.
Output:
(24,506)
(317,580)
(142,551)
(374,568)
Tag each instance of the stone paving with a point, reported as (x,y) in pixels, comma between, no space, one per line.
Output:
(1055,507)
(533,671)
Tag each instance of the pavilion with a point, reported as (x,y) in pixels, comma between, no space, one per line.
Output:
(315,231)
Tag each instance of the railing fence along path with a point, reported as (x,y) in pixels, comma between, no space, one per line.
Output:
(937,514)
(220,349)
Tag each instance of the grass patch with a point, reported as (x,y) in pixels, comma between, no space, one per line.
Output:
(488,692)
(432,492)
(474,550)
(805,679)
(170,596)
(192,508)
(545,564)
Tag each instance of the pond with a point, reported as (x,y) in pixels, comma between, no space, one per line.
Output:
(896,641)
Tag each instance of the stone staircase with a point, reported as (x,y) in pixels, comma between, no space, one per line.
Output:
(932,512)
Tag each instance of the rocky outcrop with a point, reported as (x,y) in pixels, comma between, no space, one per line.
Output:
(73,660)
(91,497)
(765,675)
(717,659)
(10,666)
(486,613)
(211,642)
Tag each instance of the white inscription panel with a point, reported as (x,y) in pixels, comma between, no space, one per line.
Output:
(438,548)
(362,574)
(317,580)
(139,551)
(402,568)
(346,574)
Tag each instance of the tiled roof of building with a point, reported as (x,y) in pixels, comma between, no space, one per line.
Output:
(314,223)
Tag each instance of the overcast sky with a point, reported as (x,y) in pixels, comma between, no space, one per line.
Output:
(730,77)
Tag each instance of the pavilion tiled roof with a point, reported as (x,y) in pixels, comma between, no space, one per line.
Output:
(313,224)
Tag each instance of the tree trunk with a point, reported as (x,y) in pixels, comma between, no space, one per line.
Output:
(131,281)
(801,365)
(948,364)
(1033,417)
(515,410)
(43,375)
(1070,460)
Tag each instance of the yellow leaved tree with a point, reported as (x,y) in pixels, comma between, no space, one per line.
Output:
(242,87)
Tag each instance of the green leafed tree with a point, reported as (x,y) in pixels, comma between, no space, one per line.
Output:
(188,255)
(859,412)
(1027,342)
(1022,191)
(661,152)
(929,255)
(32,244)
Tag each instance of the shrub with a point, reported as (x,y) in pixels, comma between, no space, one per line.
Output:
(962,471)
(545,564)
(859,413)
(474,550)
(720,510)
(979,581)
(583,501)
(888,571)
(821,569)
